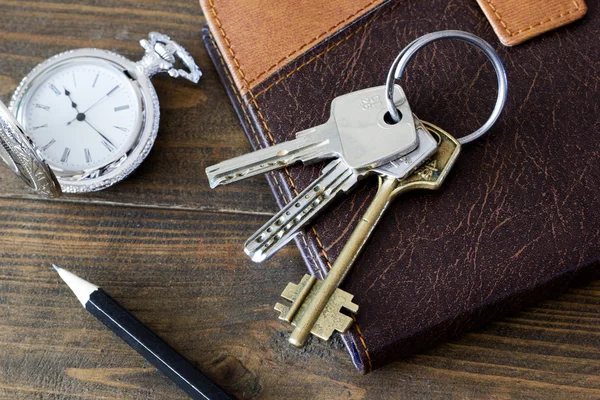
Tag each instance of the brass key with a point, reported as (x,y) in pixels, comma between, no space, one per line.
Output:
(316,305)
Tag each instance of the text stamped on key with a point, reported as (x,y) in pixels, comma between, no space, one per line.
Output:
(354,114)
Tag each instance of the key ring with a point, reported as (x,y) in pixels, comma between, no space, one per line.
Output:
(401,61)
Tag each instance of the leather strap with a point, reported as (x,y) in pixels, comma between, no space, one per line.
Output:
(516,21)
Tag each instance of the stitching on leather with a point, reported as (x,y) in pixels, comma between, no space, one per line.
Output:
(310,42)
(323,252)
(220,24)
(270,136)
(230,79)
(362,340)
(328,49)
(493,7)
(312,256)
(542,22)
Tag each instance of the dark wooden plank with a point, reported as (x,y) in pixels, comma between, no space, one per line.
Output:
(182,273)
(198,125)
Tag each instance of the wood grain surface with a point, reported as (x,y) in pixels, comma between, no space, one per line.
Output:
(170,249)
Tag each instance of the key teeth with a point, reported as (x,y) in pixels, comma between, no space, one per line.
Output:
(290,292)
(218,176)
(332,319)
(335,179)
(325,331)
(283,310)
(348,304)
(351,307)
(296,294)
(329,321)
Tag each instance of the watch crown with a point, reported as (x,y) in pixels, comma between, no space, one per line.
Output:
(161,54)
(165,52)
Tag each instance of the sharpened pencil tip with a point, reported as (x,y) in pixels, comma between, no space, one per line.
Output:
(82,288)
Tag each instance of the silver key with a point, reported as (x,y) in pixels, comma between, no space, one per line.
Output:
(336,178)
(356,132)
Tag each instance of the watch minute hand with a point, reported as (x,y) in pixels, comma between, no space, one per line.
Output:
(97,131)
(107,95)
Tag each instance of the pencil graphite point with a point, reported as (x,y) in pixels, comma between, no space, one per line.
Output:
(82,288)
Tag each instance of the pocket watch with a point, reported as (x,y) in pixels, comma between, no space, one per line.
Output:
(92,115)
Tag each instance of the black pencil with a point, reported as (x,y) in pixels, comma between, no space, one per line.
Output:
(141,339)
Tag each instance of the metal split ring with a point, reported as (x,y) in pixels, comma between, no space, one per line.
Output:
(401,61)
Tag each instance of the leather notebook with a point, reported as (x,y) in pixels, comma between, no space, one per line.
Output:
(518,218)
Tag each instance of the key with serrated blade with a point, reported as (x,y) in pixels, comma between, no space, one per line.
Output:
(316,308)
(356,132)
(335,179)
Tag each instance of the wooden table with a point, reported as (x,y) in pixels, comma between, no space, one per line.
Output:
(170,249)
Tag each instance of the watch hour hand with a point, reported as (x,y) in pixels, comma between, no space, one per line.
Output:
(80,116)
(68,94)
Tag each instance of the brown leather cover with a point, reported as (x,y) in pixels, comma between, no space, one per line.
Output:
(261,38)
(519,217)
(256,39)
(516,21)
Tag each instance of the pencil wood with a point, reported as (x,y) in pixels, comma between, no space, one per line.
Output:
(141,339)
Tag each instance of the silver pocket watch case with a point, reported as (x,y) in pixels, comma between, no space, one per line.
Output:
(41,172)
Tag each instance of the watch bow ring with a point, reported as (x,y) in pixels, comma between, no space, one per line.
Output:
(92,115)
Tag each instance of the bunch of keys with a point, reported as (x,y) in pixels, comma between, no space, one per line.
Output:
(316,306)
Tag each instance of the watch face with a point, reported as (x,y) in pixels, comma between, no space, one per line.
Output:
(82,114)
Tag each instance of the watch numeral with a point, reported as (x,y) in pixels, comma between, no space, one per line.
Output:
(35,128)
(121,128)
(109,146)
(95,80)
(55,90)
(74,81)
(121,108)
(43,107)
(88,156)
(113,90)
(65,155)
(47,146)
